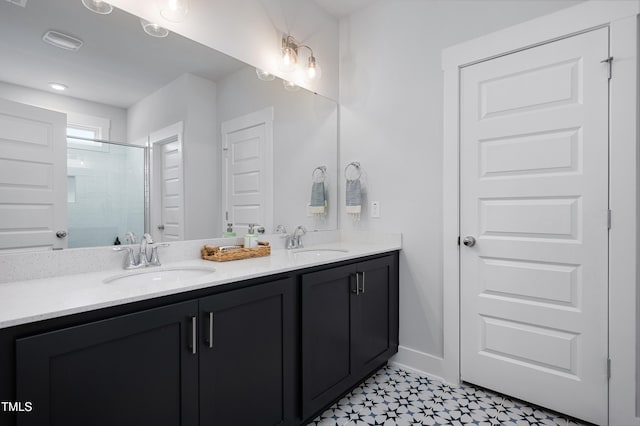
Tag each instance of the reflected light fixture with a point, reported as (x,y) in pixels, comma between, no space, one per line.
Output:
(290,48)
(58,86)
(154,30)
(173,10)
(98,6)
(264,75)
(290,86)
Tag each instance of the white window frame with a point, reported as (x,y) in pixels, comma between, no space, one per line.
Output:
(100,126)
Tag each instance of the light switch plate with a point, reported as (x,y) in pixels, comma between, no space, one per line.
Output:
(375,209)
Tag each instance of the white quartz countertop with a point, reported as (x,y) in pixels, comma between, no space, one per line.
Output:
(28,301)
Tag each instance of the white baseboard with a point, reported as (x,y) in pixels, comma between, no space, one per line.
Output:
(419,362)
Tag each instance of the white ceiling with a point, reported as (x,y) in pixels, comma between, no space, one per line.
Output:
(341,8)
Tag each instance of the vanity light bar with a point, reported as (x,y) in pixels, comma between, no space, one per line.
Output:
(63,41)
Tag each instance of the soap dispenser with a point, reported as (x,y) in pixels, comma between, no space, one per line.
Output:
(251,239)
(229,232)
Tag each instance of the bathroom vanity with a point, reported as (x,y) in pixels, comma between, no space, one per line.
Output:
(276,347)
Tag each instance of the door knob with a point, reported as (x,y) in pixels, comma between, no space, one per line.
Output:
(161,227)
(469,241)
(61,234)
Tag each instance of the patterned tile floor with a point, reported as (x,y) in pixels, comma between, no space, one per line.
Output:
(395,397)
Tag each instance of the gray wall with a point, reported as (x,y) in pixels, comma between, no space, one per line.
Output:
(391,95)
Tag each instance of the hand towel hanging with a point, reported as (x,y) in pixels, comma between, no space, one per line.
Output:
(318,203)
(353,191)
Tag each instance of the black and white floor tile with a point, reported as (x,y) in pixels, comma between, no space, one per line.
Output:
(395,397)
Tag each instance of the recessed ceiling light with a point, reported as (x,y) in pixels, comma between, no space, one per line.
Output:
(61,40)
(58,86)
(98,6)
(154,30)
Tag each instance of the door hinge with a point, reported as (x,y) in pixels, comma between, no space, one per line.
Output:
(609,62)
(458,239)
(226,216)
(609,219)
(608,368)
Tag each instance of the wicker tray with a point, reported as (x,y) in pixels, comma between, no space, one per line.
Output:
(214,253)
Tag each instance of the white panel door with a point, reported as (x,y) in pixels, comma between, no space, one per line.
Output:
(33,183)
(534,195)
(248,165)
(167,204)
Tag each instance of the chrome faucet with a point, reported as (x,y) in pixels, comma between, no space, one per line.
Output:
(143,259)
(295,240)
(130,237)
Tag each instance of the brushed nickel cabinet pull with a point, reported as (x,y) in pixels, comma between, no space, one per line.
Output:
(193,335)
(210,329)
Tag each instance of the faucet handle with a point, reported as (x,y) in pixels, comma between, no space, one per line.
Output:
(130,237)
(129,259)
(280,229)
(155,261)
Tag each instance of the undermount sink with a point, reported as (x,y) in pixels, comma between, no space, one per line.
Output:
(311,254)
(162,275)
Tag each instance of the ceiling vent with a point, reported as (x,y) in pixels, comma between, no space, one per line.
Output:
(63,41)
(21,3)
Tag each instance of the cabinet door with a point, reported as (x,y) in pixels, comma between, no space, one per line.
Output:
(326,331)
(132,370)
(247,356)
(375,315)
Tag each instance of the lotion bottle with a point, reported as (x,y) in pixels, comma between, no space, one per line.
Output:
(229,232)
(250,239)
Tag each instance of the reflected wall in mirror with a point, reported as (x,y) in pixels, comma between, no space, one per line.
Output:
(72,163)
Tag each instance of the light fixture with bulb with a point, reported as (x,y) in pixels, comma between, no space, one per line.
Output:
(264,75)
(153,29)
(290,86)
(98,6)
(290,49)
(173,10)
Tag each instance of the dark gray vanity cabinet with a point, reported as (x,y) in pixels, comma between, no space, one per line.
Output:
(129,370)
(247,357)
(218,360)
(267,351)
(349,327)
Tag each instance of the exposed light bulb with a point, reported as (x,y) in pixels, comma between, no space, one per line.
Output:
(314,72)
(289,59)
(173,10)
(264,75)
(98,6)
(154,30)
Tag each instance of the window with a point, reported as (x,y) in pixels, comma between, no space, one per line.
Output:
(86,132)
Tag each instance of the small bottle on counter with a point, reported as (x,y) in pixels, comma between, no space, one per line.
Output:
(251,239)
(229,232)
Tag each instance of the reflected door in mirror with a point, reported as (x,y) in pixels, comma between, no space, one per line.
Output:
(32,177)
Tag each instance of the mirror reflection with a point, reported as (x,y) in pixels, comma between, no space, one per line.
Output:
(105,130)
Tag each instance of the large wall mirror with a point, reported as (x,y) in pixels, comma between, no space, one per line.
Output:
(149,134)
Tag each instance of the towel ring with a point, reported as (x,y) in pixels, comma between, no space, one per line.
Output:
(356,166)
(319,174)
